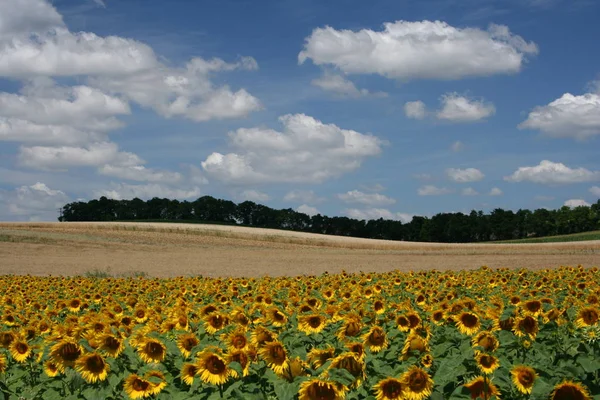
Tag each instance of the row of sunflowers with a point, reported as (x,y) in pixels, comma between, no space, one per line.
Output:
(484,334)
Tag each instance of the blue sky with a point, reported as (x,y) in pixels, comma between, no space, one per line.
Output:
(391,109)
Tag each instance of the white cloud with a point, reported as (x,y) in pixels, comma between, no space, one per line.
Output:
(196,175)
(419,50)
(469,192)
(25,16)
(306,151)
(415,109)
(254,195)
(376,213)
(457,146)
(375,187)
(302,196)
(431,190)
(34,203)
(308,210)
(576,203)
(341,86)
(595,190)
(548,172)
(60,158)
(18,130)
(139,173)
(124,191)
(495,192)
(369,199)
(456,108)
(464,175)
(569,116)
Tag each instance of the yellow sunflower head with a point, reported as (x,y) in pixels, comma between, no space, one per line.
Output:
(485,340)
(351,363)
(417,384)
(481,387)
(188,373)
(587,316)
(376,339)
(523,378)
(137,387)
(389,389)
(92,367)
(212,368)
(318,357)
(186,342)
(242,358)
(569,390)
(317,389)
(20,350)
(152,350)
(468,323)
(275,355)
(311,323)
(487,363)
(65,353)
(51,369)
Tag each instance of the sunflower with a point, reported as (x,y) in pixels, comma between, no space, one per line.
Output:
(261,335)
(6,338)
(379,307)
(92,367)
(141,315)
(526,326)
(532,307)
(242,358)
(427,361)
(357,348)
(523,378)
(275,355)
(276,317)
(481,387)
(414,344)
(413,319)
(569,390)
(438,316)
(375,339)
(317,389)
(318,357)
(389,388)
(65,353)
(152,350)
(587,316)
(137,387)
(311,323)
(236,340)
(111,344)
(487,363)
(2,363)
(51,368)
(351,363)
(296,368)
(20,350)
(188,373)
(351,328)
(468,323)
(403,323)
(186,342)
(215,322)
(417,383)
(485,340)
(212,368)
(157,379)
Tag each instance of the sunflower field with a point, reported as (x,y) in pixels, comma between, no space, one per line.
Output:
(484,334)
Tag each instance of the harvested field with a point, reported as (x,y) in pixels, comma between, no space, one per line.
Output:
(165,250)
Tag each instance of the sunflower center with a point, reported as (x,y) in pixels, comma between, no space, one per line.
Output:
(414,320)
(95,364)
(590,317)
(239,341)
(528,324)
(352,329)
(215,365)
(350,365)
(392,389)
(277,353)
(70,352)
(403,321)
(417,381)
(189,343)
(278,316)
(469,320)
(22,348)
(569,392)
(377,337)
(314,322)
(486,361)
(140,385)
(526,379)
(241,358)
(486,342)
(533,306)
(321,391)
(111,343)
(154,349)
(140,313)
(378,305)
(216,321)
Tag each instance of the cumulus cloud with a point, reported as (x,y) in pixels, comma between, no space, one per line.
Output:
(431,190)
(576,203)
(139,173)
(306,151)
(31,203)
(340,86)
(26,16)
(254,195)
(595,190)
(60,158)
(569,116)
(469,192)
(464,175)
(377,213)
(495,192)
(456,108)
(415,109)
(548,172)
(369,199)
(124,191)
(419,50)
(302,196)
(308,210)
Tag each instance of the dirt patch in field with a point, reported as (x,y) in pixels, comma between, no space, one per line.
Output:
(211,250)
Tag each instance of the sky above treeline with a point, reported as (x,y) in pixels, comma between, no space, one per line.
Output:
(365,109)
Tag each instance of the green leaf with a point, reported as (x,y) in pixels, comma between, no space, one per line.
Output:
(342,376)
(237,367)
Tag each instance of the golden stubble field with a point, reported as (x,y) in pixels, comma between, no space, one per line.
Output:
(166,250)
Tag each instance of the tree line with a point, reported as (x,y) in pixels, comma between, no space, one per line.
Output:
(476,226)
